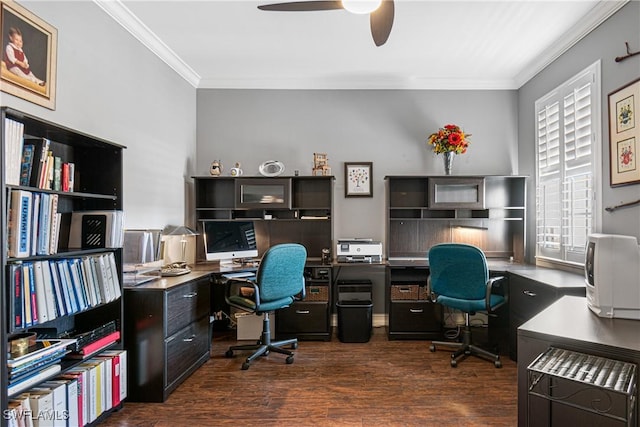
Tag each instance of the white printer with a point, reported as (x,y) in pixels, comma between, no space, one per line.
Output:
(358,250)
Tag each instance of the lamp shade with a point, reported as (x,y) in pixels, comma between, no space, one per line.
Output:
(178,230)
(361,6)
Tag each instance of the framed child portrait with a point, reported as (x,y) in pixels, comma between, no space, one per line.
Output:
(624,134)
(29,52)
(357,178)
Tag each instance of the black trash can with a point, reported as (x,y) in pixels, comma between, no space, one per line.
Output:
(354,310)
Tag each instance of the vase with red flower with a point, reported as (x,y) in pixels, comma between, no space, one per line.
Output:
(449,141)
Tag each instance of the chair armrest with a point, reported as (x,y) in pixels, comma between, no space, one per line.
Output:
(232,287)
(300,296)
(495,283)
(433,297)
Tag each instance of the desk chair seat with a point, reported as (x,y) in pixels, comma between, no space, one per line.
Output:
(459,279)
(279,282)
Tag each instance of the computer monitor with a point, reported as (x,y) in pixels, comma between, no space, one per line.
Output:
(225,241)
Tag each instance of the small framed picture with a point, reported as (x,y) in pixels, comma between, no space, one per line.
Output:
(358,176)
(624,134)
(29,53)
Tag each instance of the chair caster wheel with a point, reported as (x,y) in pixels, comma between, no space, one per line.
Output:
(454,363)
(294,345)
(266,353)
(289,360)
(228,353)
(498,364)
(432,348)
(245,366)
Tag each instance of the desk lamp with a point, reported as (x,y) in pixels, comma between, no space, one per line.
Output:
(182,231)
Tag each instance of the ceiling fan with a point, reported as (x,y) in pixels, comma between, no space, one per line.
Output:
(380,12)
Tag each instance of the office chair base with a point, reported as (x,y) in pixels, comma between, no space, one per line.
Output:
(465,348)
(264,346)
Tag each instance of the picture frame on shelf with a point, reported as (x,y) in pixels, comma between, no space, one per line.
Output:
(624,134)
(358,179)
(33,43)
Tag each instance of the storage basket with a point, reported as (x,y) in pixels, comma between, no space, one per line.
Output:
(316,293)
(405,292)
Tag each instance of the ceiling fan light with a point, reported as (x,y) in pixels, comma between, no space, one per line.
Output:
(361,6)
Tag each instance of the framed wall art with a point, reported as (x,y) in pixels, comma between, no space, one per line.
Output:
(29,53)
(624,134)
(358,176)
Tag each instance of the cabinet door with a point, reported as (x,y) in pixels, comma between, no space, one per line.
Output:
(456,193)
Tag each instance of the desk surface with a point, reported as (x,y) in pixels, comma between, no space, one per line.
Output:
(569,318)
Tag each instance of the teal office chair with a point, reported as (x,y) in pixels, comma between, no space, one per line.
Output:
(459,278)
(279,282)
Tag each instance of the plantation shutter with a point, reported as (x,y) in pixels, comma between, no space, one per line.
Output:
(565,137)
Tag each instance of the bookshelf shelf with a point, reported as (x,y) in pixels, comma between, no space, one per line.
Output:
(37,244)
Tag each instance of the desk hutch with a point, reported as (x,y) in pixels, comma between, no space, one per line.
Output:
(284,209)
(421,211)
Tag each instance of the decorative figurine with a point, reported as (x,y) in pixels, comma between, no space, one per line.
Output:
(236,171)
(321,165)
(216,168)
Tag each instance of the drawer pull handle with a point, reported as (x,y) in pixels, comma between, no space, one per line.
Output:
(302,311)
(405,290)
(190,295)
(530,293)
(189,339)
(416,310)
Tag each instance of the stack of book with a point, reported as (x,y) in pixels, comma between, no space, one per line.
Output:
(76,397)
(34,223)
(45,289)
(40,362)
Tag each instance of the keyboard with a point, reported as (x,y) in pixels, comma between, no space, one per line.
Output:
(240,274)
(173,271)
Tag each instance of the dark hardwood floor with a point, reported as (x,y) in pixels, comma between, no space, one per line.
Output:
(379,383)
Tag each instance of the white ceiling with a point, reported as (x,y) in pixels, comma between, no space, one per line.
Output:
(451,44)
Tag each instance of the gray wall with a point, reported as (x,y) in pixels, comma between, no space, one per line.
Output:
(111,86)
(386,127)
(604,43)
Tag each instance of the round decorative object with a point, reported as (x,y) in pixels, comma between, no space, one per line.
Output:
(236,171)
(271,168)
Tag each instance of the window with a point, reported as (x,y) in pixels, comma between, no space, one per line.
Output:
(568,160)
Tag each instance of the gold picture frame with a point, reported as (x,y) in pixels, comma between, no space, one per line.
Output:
(30,74)
(357,179)
(624,134)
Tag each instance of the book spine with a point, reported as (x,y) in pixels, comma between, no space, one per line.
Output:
(27,162)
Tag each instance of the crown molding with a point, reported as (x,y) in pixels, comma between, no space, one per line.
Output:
(123,16)
(600,13)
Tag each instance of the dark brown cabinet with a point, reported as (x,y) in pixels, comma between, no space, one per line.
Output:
(412,315)
(166,333)
(533,289)
(309,319)
(487,211)
(97,186)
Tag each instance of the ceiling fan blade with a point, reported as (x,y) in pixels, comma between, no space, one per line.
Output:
(381,22)
(302,6)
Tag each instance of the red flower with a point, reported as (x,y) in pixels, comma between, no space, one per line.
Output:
(454,138)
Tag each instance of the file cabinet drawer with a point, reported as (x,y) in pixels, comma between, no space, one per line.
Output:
(412,316)
(302,317)
(185,304)
(184,349)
